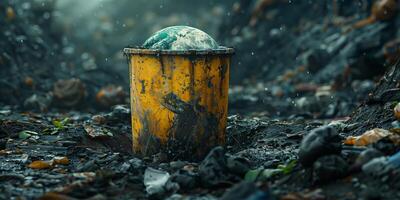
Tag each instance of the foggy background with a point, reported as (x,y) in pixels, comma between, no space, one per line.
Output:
(102,28)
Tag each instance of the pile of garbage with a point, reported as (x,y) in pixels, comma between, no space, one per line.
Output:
(317,64)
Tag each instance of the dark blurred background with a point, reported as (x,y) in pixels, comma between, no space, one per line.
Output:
(43,41)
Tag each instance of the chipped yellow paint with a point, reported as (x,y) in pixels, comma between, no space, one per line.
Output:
(199,79)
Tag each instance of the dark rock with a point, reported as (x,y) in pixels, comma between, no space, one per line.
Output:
(319,142)
(328,168)
(213,170)
(386,146)
(186,179)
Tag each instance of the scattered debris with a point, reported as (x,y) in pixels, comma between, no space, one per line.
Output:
(60,160)
(57,160)
(39,164)
(96,131)
(369,137)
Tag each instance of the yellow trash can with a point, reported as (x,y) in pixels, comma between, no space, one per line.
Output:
(179,100)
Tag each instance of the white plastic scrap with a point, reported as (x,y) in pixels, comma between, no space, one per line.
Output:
(155,180)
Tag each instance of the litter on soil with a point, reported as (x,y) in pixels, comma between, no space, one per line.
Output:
(313,99)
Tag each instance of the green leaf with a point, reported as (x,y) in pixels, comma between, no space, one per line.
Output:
(261,174)
(65,121)
(57,124)
(287,169)
(264,174)
(60,125)
(253,174)
(26,134)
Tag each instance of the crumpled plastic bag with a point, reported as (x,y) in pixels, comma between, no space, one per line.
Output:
(157,182)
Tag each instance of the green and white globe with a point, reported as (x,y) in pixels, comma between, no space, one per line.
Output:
(180,38)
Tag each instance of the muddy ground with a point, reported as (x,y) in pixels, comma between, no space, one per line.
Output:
(302,84)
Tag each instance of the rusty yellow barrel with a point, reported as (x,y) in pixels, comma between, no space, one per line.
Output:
(179,100)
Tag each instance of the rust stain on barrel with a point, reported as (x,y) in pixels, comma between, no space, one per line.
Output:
(179,101)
